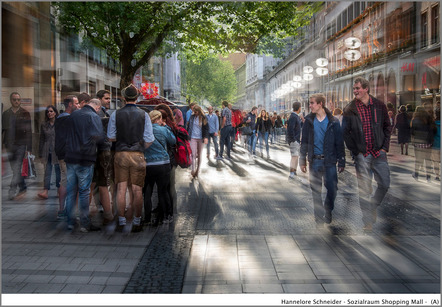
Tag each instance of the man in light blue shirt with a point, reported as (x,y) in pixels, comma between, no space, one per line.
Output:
(189,113)
(213,122)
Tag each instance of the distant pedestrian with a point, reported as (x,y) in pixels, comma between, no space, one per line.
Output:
(85,132)
(338,114)
(199,133)
(213,122)
(83,99)
(17,141)
(46,151)
(226,130)
(403,129)
(189,113)
(322,144)
(367,135)
(294,138)
(278,128)
(251,121)
(131,129)
(422,132)
(263,128)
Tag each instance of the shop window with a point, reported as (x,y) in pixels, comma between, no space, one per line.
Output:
(424,29)
(435,24)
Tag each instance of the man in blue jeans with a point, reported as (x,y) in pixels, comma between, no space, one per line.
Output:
(366,129)
(213,121)
(84,133)
(226,127)
(322,144)
(251,121)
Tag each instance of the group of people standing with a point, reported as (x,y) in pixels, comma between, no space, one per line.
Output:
(103,157)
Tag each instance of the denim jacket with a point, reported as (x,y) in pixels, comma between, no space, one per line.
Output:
(334,149)
(157,153)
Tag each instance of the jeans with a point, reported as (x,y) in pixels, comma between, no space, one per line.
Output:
(252,142)
(157,175)
(319,173)
(48,174)
(225,140)
(79,179)
(213,137)
(232,136)
(15,156)
(366,168)
(264,135)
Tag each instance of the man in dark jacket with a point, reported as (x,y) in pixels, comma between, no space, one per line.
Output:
(323,146)
(61,127)
(251,121)
(17,140)
(294,138)
(367,132)
(84,134)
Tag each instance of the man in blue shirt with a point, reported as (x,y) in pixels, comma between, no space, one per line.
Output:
(189,113)
(213,122)
(226,127)
(322,144)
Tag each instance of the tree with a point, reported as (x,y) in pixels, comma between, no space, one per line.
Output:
(211,79)
(138,30)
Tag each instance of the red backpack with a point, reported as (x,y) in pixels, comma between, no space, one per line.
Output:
(183,151)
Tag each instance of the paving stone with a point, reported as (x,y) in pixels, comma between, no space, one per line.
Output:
(344,288)
(424,287)
(303,288)
(263,288)
(220,289)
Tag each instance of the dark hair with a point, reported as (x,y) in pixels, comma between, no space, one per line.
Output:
(296,106)
(67,100)
(83,97)
(100,94)
(225,103)
(169,118)
(46,112)
(364,83)
(402,109)
(422,114)
(13,93)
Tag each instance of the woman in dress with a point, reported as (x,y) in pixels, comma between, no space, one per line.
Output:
(46,151)
(198,129)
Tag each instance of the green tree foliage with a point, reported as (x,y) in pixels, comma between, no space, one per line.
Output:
(140,30)
(211,79)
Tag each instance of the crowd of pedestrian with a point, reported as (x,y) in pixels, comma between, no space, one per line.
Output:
(115,161)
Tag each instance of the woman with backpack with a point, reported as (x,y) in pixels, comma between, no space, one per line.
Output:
(198,129)
(158,171)
(168,117)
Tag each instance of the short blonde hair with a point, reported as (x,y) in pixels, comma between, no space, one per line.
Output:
(154,115)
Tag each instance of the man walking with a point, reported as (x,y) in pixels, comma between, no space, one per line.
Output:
(131,129)
(61,127)
(367,135)
(84,133)
(213,122)
(251,121)
(294,138)
(322,145)
(17,140)
(226,127)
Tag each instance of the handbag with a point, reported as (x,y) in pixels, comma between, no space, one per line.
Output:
(246,130)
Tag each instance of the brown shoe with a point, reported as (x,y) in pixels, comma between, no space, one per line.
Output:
(43,195)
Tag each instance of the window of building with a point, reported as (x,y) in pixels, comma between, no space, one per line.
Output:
(350,13)
(435,24)
(424,29)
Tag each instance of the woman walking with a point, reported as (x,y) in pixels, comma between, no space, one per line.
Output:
(47,151)
(263,128)
(198,129)
(403,129)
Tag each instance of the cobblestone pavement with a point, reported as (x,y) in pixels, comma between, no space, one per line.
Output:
(241,227)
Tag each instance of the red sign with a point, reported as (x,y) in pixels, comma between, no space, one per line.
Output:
(407,67)
(433,62)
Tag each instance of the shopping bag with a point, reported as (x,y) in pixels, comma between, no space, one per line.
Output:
(32,174)
(25,167)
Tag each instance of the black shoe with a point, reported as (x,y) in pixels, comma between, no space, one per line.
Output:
(415,176)
(428,178)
